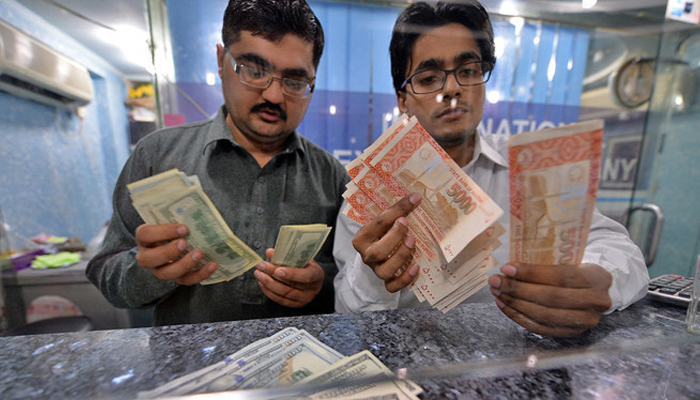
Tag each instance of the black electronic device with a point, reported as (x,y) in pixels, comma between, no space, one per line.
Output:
(672,289)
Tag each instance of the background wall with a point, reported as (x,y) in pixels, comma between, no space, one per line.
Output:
(57,171)
(537,82)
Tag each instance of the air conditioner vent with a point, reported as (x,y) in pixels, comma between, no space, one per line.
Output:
(32,70)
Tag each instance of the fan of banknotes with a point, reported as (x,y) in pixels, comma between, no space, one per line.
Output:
(174,197)
(293,357)
(456,224)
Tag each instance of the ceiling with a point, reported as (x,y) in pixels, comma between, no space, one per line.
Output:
(117,30)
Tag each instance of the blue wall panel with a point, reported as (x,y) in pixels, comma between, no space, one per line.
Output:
(57,171)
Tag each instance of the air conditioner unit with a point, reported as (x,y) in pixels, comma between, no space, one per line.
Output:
(32,70)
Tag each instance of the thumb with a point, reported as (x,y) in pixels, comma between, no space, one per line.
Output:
(269,253)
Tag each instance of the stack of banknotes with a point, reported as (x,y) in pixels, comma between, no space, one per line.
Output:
(456,224)
(293,357)
(174,197)
(553,184)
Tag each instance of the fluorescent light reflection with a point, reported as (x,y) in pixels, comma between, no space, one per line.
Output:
(518,23)
(588,3)
(211,79)
(493,96)
(552,69)
(500,46)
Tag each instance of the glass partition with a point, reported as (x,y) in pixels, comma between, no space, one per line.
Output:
(625,64)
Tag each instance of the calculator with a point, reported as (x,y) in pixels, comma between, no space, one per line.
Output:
(672,289)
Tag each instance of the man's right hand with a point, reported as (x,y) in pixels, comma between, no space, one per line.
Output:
(386,247)
(162,249)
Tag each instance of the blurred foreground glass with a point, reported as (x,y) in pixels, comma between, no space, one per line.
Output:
(693,317)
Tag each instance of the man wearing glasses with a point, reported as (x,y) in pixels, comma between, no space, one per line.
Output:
(259,173)
(441,58)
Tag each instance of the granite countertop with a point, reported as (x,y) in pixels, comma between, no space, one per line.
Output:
(473,351)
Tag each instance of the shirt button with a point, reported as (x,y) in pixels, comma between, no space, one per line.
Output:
(261,179)
(257,244)
(260,210)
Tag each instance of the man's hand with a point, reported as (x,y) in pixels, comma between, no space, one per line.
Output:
(287,286)
(553,300)
(386,247)
(162,249)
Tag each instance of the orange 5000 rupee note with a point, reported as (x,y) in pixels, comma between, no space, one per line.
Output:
(458,210)
(553,184)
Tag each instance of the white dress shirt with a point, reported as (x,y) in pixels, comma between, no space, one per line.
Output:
(357,288)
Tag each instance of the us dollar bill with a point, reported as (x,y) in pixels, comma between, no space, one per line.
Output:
(359,376)
(298,244)
(173,197)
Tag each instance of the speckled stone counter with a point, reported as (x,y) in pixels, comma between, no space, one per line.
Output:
(472,352)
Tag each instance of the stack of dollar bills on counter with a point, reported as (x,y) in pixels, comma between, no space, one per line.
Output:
(294,359)
(173,197)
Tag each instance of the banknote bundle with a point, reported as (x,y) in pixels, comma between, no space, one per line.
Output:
(293,358)
(297,244)
(553,184)
(174,197)
(456,224)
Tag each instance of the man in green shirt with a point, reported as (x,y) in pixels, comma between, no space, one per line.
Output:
(259,173)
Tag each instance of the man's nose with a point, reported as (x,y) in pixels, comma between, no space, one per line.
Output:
(451,84)
(273,93)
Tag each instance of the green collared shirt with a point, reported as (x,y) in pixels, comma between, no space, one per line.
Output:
(302,184)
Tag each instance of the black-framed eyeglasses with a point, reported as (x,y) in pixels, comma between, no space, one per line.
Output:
(470,73)
(261,78)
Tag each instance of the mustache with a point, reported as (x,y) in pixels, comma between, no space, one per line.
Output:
(275,108)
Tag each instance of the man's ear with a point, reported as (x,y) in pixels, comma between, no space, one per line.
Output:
(401,101)
(220,54)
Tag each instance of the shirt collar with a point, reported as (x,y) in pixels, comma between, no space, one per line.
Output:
(220,132)
(482,147)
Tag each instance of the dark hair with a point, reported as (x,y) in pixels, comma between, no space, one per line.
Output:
(273,19)
(417,18)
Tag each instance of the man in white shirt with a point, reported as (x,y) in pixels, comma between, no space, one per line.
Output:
(441,56)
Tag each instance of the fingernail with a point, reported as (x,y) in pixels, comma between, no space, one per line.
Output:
(181,230)
(495,282)
(211,267)
(260,267)
(414,198)
(413,271)
(509,271)
(196,256)
(280,273)
(257,274)
(410,242)
(181,245)
(402,221)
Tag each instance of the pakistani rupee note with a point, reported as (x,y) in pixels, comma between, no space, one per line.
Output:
(411,161)
(553,185)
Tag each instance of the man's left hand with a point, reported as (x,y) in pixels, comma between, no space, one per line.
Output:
(553,300)
(287,286)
